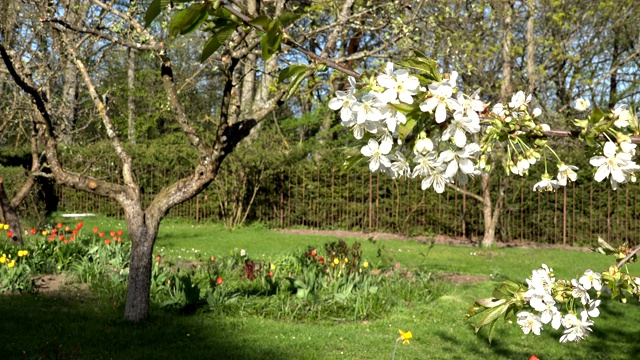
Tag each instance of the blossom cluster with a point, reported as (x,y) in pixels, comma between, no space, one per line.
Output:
(547,298)
(424,127)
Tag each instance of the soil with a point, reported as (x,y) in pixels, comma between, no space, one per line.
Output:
(60,285)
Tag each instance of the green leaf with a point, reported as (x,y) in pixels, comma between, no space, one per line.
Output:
(270,42)
(404,130)
(490,302)
(154,10)
(288,18)
(295,83)
(491,329)
(491,315)
(596,115)
(291,71)
(426,66)
(404,108)
(216,40)
(187,20)
(262,20)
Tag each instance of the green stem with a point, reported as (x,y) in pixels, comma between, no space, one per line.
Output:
(394,351)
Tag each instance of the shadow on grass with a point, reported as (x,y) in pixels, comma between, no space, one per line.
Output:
(35,327)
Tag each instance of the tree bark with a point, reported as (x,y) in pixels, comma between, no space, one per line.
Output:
(131,104)
(143,232)
(491,212)
(490,221)
(10,215)
(531,46)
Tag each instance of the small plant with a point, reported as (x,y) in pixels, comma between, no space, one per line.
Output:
(404,338)
(15,274)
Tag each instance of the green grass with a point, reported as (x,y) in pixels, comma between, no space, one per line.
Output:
(94,329)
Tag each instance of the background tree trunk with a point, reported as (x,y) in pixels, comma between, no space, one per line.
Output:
(10,215)
(131,104)
(492,211)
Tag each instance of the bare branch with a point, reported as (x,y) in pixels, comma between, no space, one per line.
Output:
(127,172)
(466,192)
(294,44)
(113,39)
(43,119)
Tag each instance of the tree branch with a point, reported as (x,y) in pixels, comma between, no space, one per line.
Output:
(466,192)
(127,172)
(43,119)
(291,42)
(102,35)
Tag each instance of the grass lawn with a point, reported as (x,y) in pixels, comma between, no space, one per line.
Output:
(92,328)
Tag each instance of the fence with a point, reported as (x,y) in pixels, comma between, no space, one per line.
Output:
(332,199)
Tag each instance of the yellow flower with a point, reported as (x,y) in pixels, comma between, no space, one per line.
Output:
(6,226)
(44,232)
(22,253)
(365,264)
(336,261)
(346,260)
(273,266)
(405,336)
(12,264)
(3,259)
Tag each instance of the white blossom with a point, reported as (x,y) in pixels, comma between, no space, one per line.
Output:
(400,86)
(613,163)
(581,104)
(546,184)
(529,322)
(575,329)
(460,125)
(579,292)
(377,154)
(566,172)
(591,279)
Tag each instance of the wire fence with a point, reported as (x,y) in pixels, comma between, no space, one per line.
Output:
(333,199)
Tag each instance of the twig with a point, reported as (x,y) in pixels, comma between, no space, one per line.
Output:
(289,41)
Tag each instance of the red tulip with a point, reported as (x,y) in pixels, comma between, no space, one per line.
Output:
(33,231)
(119,232)
(59,225)
(270,273)
(71,238)
(113,233)
(95,230)
(219,281)
(107,241)
(9,234)
(66,228)
(101,234)
(321,260)
(533,357)
(158,257)
(79,225)
(61,237)
(74,232)
(119,239)
(314,252)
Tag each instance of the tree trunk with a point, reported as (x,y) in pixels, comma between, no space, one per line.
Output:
(487,209)
(507,44)
(531,46)
(10,215)
(131,105)
(143,236)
